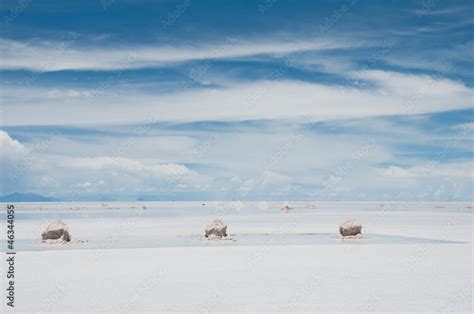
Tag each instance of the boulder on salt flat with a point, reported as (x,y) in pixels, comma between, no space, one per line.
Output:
(55,231)
(350,228)
(287,209)
(216,230)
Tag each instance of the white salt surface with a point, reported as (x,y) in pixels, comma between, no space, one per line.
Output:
(354,277)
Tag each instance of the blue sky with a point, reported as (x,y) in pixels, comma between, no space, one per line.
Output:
(277,100)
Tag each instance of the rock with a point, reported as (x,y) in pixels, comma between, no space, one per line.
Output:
(213,237)
(350,228)
(287,209)
(55,231)
(216,229)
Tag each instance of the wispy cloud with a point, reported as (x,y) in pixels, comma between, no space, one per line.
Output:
(385,93)
(28,55)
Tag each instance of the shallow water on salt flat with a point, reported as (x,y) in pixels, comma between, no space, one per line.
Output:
(95,210)
(237,240)
(167,224)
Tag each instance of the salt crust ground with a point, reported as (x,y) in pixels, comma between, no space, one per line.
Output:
(360,278)
(370,278)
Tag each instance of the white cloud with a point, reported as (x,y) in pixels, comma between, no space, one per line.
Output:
(394,171)
(56,56)
(408,83)
(27,170)
(267,182)
(236,164)
(61,94)
(273,178)
(432,169)
(128,166)
(468,126)
(392,94)
(10,148)
(236,179)
(14,163)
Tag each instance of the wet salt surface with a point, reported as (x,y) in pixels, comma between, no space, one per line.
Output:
(166,224)
(237,240)
(95,210)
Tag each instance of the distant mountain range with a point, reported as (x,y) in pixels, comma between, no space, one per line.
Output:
(26,197)
(33,197)
(148,198)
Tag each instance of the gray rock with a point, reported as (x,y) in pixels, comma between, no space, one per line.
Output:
(55,231)
(350,228)
(287,209)
(216,229)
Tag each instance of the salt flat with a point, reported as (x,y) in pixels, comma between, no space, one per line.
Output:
(359,276)
(280,278)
